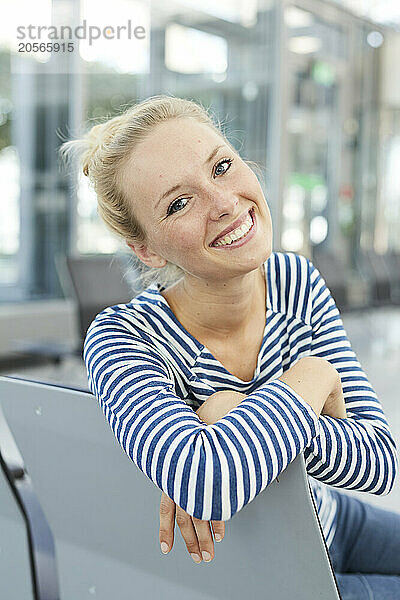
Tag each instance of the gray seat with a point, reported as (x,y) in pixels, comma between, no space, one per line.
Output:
(94,282)
(333,270)
(104,516)
(393,266)
(375,268)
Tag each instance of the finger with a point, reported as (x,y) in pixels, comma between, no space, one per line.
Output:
(204,536)
(218,528)
(185,524)
(167,523)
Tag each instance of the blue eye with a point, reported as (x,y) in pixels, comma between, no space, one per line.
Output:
(227,161)
(173,204)
(175,207)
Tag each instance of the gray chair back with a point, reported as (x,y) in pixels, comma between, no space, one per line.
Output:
(95,282)
(104,516)
(333,272)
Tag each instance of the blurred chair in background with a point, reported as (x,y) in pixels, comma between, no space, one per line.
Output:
(375,268)
(393,266)
(94,282)
(376,279)
(333,270)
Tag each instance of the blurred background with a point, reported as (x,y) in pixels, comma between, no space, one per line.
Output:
(310,90)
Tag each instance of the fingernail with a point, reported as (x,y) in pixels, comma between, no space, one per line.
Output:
(196,558)
(164,548)
(218,538)
(206,556)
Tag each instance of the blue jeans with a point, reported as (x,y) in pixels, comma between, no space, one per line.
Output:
(365,552)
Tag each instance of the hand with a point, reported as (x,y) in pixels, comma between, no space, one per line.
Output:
(195,532)
(335,404)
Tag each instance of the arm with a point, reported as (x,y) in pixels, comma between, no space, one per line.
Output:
(210,471)
(218,405)
(309,377)
(357,452)
(313,378)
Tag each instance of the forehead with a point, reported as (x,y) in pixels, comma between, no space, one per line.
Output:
(169,153)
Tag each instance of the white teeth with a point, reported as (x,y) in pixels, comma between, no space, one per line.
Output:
(236,234)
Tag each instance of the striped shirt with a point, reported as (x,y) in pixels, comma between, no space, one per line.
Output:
(150,374)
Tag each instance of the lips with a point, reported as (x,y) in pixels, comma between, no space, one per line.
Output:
(233,226)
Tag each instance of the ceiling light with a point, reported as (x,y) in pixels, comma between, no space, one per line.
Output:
(296,17)
(375,39)
(304,44)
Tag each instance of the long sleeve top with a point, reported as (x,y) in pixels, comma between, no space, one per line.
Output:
(150,374)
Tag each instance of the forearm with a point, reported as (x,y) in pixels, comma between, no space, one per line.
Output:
(358,451)
(218,405)
(158,430)
(313,379)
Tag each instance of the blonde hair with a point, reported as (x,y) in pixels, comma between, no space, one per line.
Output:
(103,152)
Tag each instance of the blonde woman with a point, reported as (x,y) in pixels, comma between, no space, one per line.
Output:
(233,360)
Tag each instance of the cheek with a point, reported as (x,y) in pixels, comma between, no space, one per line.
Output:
(184,239)
(246,184)
(179,243)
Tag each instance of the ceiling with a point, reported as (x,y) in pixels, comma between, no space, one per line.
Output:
(384,12)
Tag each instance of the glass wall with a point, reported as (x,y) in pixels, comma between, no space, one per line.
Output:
(317,52)
(9,181)
(332,127)
(295,84)
(387,228)
(226,66)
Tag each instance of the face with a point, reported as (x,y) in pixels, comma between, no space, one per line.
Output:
(188,188)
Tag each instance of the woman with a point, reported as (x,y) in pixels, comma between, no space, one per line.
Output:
(228,326)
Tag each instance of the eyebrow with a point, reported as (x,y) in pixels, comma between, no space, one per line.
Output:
(175,187)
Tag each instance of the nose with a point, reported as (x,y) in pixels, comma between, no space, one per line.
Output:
(222,204)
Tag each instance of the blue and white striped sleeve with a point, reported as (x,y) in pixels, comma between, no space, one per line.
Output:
(357,452)
(211,471)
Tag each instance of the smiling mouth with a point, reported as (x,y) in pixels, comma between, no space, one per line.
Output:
(237,234)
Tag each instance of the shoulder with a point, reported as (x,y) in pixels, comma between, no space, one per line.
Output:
(290,265)
(289,281)
(138,317)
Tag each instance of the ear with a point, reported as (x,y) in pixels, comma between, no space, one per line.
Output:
(147,256)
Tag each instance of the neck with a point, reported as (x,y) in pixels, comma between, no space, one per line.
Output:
(220,309)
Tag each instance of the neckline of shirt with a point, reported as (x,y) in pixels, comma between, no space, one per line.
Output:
(162,301)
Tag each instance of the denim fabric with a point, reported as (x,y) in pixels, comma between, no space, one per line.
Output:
(365,551)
